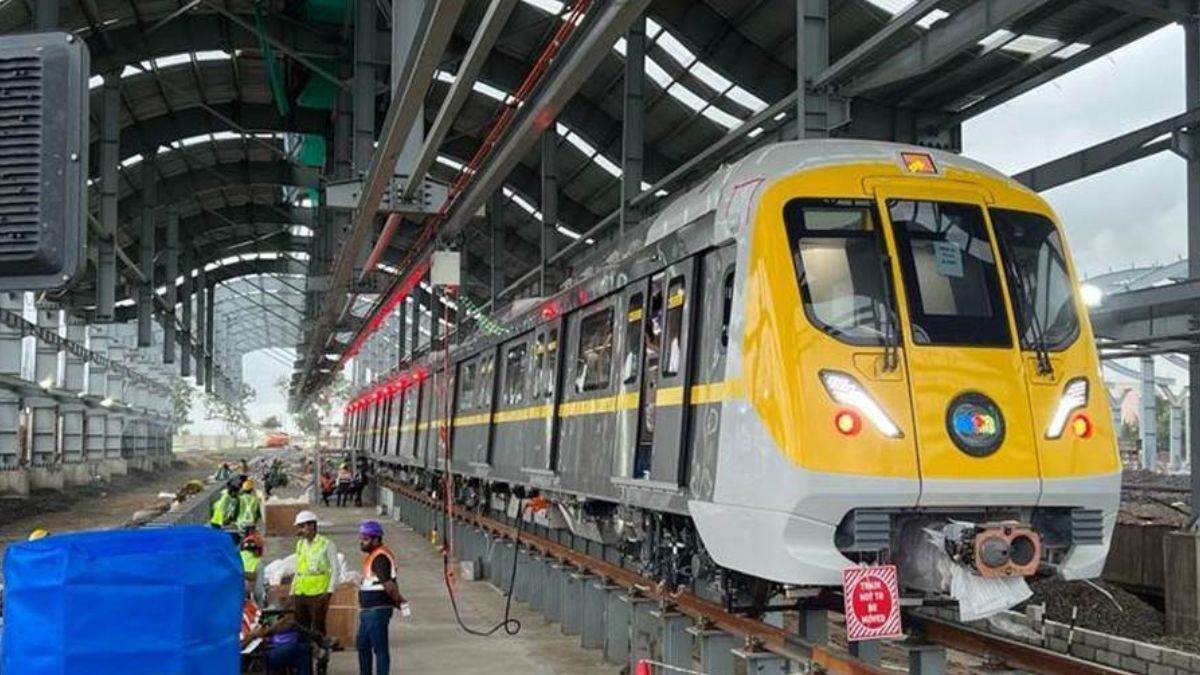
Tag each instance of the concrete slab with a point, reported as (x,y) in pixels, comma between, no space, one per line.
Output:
(45,477)
(430,641)
(76,474)
(14,482)
(117,467)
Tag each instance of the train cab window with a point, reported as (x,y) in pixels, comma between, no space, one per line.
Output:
(837,253)
(1033,250)
(633,339)
(676,297)
(950,274)
(726,307)
(594,362)
(514,375)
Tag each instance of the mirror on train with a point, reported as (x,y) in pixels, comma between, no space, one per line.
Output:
(43,159)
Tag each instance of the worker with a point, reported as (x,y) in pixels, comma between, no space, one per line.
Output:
(345,484)
(288,649)
(38,534)
(225,508)
(223,473)
(251,551)
(316,573)
(249,510)
(377,597)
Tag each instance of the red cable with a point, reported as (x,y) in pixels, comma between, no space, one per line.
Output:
(499,125)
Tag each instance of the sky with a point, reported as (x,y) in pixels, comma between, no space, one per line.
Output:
(1132,215)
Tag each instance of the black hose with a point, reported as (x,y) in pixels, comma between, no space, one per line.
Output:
(510,625)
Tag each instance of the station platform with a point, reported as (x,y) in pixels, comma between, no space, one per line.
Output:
(430,641)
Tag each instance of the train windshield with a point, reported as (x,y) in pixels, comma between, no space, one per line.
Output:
(1033,248)
(839,263)
(950,274)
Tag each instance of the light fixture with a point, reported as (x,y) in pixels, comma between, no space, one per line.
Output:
(845,390)
(1074,397)
(847,422)
(1091,295)
(107,402)
(46,382)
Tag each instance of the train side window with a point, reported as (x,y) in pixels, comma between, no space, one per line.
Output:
(726,306)
(633,339)
(482,392)
(550,373)
(466,393)
(676,297)
(514,374)
(594,361)
(539,365)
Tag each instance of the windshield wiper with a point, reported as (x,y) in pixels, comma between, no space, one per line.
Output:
(1040,351)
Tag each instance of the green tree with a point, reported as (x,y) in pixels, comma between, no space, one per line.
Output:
(317,411)
(271,423)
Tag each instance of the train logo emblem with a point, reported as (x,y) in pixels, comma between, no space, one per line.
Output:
(975,424)
(872,603)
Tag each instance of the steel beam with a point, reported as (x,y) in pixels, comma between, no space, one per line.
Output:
(592,43)
(633,126)
(481,45)
(401,115)
(868,48)
(1106,155)
(1170,11)
(948,38)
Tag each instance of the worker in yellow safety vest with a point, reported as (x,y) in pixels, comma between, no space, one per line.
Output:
(251,551)
(249,510)
(225,508)
(316,573)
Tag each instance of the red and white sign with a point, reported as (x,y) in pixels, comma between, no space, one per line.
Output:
(872,597)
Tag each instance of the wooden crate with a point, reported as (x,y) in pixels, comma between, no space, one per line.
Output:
(341,622)
(279,519)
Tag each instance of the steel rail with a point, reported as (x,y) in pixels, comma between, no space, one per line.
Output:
(765,637)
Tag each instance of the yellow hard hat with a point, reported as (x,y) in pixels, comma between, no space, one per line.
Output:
(248,485)
(38,534)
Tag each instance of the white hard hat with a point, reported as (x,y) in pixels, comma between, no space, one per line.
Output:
(305,517)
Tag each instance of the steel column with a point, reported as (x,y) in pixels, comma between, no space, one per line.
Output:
(171,263)
(549,212)
(675,648)
(10,401)
(633,126)
(145,302)
(209,297)
(812,58)
(1148,420)
(97,387)
(716,649)
(495,218)
(72,381)
(364,85)
(202,343)
(593,628)
(44,411)
(110,158)
(1192,74)
(617,617)
(185,361)
(115,430)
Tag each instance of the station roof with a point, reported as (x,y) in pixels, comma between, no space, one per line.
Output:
(229,109)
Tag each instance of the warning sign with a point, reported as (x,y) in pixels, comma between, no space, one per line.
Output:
(872,597)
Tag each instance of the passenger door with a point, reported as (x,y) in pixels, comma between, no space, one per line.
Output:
(630,327)
(673,374)
(965,372)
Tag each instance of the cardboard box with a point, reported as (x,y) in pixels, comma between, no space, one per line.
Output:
(279,519)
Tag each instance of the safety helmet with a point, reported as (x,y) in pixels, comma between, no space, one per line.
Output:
(370,528)
(248,485)
(38,534)
(305,517)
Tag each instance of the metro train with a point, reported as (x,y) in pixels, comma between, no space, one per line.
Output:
(817,357)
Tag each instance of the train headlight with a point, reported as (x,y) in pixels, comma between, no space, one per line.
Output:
(845,390)
(1074,397)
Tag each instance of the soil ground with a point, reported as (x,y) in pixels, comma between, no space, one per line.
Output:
(100,505)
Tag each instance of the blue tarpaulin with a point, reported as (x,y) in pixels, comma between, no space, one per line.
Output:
(134,602)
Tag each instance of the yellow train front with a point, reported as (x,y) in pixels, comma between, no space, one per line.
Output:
(829,352)
(913,367)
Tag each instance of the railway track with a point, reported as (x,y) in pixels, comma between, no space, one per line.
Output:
(758,636)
